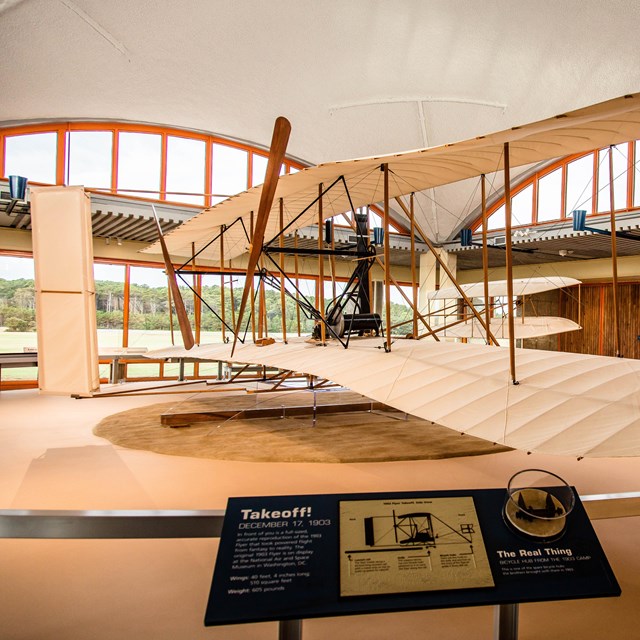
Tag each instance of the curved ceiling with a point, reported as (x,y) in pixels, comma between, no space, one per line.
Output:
(355,78)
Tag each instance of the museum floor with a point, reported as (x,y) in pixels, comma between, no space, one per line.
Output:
(65,589)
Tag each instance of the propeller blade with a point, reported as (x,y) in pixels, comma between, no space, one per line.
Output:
(178,303)
(281,131)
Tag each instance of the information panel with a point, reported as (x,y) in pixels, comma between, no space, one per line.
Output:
(288,557)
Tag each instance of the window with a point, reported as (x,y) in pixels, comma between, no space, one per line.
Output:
(522,207)
(89,158)
(185,170)
(497,220)
(109,279)
(259,169)
(619,179)
(17,312)
(229,169)
(550,196)
(33,156)
(139,161)
(580,184)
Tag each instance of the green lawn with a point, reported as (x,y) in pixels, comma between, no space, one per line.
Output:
(16,341)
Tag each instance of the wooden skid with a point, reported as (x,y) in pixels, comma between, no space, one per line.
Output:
(187,418)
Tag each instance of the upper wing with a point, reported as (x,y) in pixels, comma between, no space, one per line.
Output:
(596,126)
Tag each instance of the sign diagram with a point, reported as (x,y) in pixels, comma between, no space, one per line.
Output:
(396,546)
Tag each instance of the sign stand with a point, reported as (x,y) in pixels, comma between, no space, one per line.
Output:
(289,558)
(505,622)
(290,630)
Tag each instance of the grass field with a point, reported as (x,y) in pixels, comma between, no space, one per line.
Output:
(16,342)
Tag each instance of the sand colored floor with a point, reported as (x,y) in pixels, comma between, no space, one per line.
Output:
(63,589)
(362,436)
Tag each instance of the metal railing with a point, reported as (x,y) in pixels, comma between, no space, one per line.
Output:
(33,523)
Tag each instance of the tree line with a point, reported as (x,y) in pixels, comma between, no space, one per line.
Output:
(149,307)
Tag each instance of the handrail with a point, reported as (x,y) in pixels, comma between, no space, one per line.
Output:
(167,523)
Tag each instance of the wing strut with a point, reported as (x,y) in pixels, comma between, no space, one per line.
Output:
(178,302)
(281,131)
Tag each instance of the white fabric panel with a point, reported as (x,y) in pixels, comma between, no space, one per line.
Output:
(62,238)
(65,366)
(65,291)
(524,327)
(521,287)
(566,403)
(597,126)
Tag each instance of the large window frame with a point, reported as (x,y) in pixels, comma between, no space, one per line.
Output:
(632,173)
(62,129)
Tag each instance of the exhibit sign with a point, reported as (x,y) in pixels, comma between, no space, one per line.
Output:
(290,557)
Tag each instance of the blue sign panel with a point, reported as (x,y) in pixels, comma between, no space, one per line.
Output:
(291,557)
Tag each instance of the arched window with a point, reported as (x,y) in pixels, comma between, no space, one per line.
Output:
(576,182)
(141,161)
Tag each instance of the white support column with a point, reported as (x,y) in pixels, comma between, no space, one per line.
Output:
(65,291)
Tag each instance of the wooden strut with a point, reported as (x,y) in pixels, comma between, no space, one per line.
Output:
(233,302)
(283,300)
(332,262)
(197,304)
(321,268)
(414,282)
(222,303)
(253,289)
(509,265)
(297,280)
(485,257)
(446,269)
(181,312)
(614,260)
(387,260)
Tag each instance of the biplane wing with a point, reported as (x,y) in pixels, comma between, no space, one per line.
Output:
(498,288)
(566,403)
(524,327)
(599,125)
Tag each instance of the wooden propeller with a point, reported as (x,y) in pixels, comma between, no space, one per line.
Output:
(281,131)
(178,302)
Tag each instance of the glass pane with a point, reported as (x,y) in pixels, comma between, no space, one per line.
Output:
(550,196)
(185,170)
(229,170)
(522,207)
(139,163)
(212,294)
(636,175)
(32,156)
(109,306)
(89,158)
(259,169)
(619,178)
(149,321)
(579,184)
(17,313)
(496,219)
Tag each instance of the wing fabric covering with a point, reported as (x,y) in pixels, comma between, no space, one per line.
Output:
(593,127)
(565,404)
(524,327)
(521,287)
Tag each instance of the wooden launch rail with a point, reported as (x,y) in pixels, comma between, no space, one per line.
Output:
(185,419)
